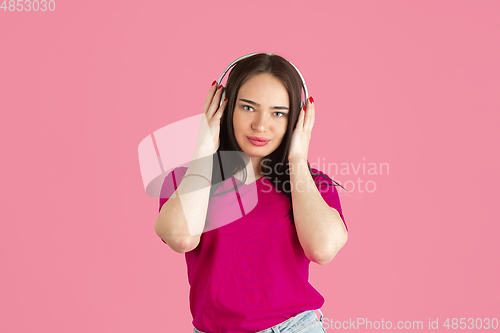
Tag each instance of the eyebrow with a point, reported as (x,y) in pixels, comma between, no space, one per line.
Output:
(257,104)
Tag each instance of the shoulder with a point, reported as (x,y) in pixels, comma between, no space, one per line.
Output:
(321,177)
(171,179)
(177,173)
(180,170)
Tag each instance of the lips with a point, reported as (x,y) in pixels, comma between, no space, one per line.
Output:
(257,141)
(256,138)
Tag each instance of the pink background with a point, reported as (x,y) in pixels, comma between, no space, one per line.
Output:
(414,84)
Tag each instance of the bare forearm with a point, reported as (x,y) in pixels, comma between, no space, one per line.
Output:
(320,228)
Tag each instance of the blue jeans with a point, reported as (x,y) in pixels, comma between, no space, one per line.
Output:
(304,322)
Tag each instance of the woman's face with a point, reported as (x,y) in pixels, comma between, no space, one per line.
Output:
(260,116)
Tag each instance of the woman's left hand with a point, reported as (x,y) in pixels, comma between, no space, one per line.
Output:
(301,136)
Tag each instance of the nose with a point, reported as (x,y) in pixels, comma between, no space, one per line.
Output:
(260,123)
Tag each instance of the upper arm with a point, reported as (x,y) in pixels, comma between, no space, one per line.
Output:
(340,217)
(329,193)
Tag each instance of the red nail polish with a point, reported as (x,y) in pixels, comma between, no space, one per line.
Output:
(311,99)
(304,108)
(225,99)
(219,87)
(214,83)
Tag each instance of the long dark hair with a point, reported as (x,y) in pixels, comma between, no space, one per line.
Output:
(277,161)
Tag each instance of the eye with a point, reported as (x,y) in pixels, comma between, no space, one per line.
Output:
(281,114)
(247,108)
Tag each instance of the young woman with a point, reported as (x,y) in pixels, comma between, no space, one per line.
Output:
(249,212)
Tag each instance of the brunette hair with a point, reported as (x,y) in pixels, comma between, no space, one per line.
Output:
(277,161)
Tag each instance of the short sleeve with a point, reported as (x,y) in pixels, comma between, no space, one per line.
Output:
(170,184)
(328,191)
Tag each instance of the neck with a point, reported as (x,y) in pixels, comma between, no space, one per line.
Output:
(256,161)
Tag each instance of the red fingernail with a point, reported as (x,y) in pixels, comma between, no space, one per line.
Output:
(225,99)
(214,83)
(304,108)
(220,86)
(311,99)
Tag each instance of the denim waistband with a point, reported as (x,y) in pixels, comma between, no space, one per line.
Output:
(301,318)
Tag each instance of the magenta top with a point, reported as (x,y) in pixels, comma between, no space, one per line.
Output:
(249,272)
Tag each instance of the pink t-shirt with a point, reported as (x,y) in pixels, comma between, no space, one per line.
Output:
(250,274)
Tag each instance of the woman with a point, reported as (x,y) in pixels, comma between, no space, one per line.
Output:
(248,260)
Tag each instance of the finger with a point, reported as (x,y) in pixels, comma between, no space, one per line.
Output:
(300,121)
(215,101)
(221,109)
(210,96)
(310,115)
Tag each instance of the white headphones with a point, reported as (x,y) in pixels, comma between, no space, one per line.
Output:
(304,87)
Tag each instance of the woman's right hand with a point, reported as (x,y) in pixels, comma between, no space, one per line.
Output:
(210,123)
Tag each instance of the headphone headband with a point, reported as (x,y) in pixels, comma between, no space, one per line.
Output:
(304,87)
